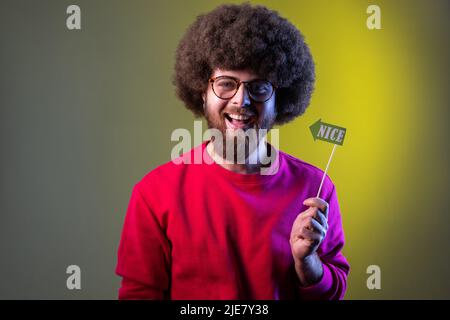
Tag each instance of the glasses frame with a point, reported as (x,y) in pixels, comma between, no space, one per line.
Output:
(239,82)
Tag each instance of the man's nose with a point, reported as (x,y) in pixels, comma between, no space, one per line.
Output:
(241,98)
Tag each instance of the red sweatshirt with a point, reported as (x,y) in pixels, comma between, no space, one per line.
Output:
(200,231)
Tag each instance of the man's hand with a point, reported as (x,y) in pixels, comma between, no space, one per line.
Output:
(308,231)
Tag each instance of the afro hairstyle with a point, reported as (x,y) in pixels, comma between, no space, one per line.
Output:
(245,37)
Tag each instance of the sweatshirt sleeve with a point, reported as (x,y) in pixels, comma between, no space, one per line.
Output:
(144,253)
(333,283)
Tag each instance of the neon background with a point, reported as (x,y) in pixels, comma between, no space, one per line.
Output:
(85,114)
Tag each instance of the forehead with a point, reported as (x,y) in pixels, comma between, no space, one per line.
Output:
(243,75)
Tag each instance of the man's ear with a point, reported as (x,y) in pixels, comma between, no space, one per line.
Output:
(204,101)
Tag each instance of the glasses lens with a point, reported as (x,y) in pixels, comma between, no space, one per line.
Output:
(260,90)
(225,87)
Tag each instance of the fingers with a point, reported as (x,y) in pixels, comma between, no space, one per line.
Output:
(313,225)
(317,215)
(318,203)
(312,220)
(317,227)
(314,234)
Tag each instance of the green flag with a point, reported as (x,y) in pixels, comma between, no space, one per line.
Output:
(328,132)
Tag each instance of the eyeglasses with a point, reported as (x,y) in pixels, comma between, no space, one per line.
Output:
(225,87)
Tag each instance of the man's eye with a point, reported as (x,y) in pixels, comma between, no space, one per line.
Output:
(227,84)
(260,89)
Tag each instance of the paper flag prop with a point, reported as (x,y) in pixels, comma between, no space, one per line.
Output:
(329,133)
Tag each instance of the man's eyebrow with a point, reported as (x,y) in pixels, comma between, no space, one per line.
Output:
(230,76)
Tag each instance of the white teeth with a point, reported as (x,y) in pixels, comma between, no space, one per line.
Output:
(238,117)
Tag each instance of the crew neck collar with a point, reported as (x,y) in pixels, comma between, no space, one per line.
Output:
(243,178)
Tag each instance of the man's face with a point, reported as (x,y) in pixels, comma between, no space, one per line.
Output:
(219,112)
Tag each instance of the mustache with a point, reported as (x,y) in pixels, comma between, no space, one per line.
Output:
(241,112)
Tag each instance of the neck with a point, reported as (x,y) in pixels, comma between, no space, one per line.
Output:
(253,163)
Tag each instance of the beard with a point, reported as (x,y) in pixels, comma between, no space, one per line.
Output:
(236,145)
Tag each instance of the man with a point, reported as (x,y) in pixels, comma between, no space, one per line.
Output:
(223,228)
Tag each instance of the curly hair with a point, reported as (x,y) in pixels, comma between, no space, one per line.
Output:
(236,37)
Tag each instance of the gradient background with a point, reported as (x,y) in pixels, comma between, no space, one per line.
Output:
(84,114)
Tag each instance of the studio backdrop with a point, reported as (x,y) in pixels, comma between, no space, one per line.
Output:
(87,108)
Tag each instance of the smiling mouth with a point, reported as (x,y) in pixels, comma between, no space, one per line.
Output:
(235,121)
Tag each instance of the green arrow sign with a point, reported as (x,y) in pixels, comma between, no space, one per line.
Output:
(328,132)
